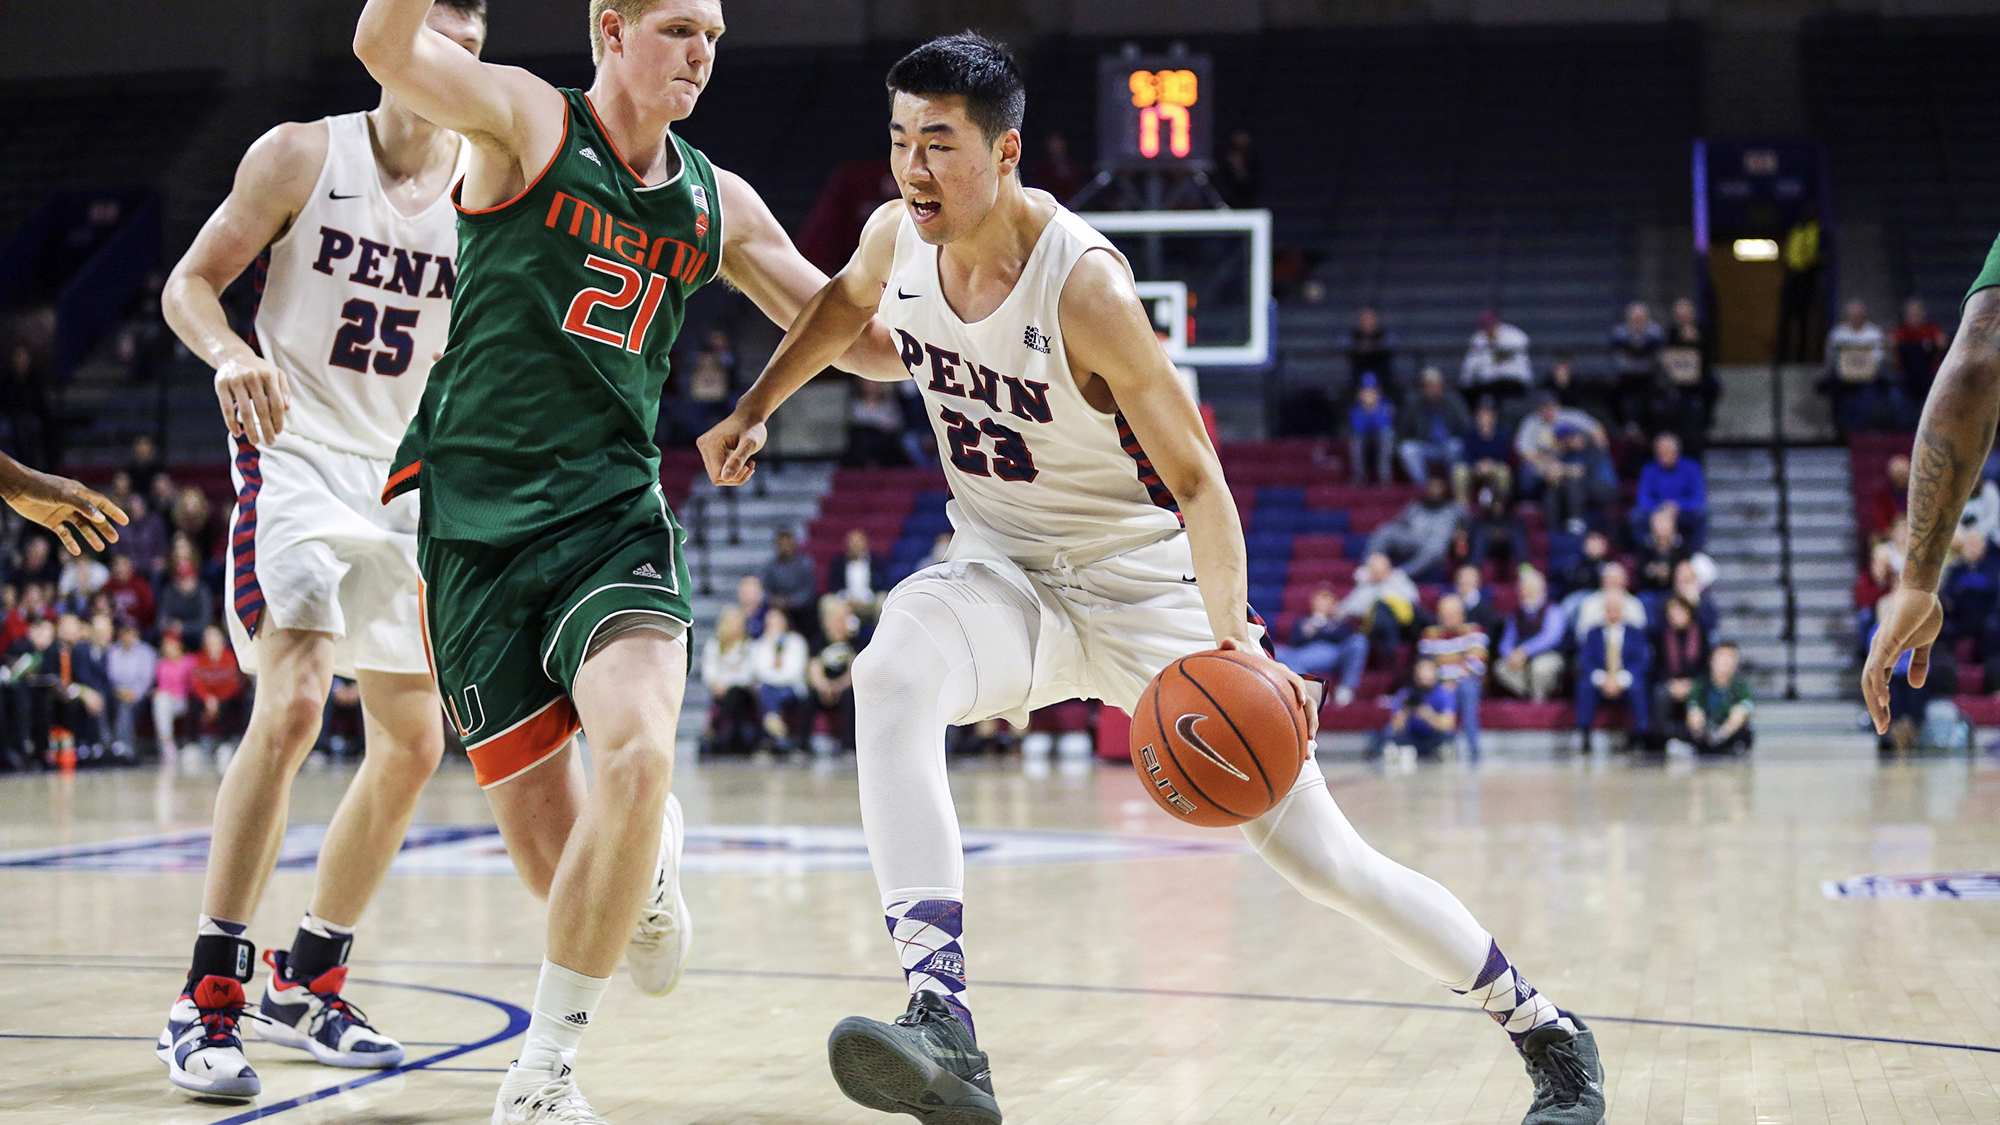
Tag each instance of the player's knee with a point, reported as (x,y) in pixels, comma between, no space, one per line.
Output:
(642,768)
(288,722)
(892,672)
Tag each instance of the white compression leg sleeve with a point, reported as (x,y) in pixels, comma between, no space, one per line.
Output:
(1309,841)
(919,674)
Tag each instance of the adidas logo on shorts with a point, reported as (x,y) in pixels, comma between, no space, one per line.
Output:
(646,571)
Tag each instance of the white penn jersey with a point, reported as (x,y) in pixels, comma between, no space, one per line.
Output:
(1034,468)
(355,299)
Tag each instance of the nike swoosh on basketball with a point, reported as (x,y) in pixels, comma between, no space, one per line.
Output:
(332,194)
(906,296)
(1184,726)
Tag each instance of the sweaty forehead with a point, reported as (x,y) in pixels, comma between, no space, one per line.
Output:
(706,14)
(929,113)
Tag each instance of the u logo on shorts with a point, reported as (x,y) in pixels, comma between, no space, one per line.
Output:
(475,714)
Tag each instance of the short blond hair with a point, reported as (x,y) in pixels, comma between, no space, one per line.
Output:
(631,10)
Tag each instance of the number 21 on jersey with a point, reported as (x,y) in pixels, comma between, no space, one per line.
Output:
(577,321)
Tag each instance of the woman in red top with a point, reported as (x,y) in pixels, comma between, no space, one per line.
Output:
(217,686)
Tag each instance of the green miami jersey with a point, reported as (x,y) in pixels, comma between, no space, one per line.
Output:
(569,298)
(1989,275)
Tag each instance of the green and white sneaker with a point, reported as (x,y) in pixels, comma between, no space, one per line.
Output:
(1569,1081)
(926,1064)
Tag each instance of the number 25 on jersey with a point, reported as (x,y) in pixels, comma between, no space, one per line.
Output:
(630,287)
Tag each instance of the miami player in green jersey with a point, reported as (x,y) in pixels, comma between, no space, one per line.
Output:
(555,589)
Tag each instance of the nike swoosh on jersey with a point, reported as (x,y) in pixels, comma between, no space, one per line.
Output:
(332,194)
(906,296)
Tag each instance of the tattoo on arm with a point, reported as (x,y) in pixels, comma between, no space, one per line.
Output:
(1952,442)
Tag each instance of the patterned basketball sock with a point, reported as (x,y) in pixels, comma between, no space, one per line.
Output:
(319,945)
(928,934)
(1511,1001)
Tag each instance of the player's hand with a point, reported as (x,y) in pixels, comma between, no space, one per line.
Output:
(727,448)
(67,508)
(1908,619)
(1305,696)
(254,395)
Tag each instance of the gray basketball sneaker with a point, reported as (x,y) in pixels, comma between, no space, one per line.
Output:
(1569,1081)
(925,1064)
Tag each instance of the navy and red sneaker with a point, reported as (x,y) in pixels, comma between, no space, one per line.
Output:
(313,1017)
(201,1046)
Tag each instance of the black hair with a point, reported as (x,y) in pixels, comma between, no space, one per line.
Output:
(973,67)
(469,7)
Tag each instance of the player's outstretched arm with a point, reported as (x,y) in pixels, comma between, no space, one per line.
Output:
(272,183)
(759,259)
(60,504)
(1953,439)
(825,328)
(506,112)
(1106,332)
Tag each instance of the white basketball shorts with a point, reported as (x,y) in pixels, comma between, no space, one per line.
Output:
(1098,630)
(312,546)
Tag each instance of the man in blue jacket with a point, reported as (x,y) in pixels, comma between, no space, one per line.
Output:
(1611,666)
(1669,479)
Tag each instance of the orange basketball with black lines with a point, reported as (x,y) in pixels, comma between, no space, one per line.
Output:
(1217,739)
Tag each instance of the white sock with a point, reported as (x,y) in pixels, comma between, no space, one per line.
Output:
(320,927)
(564,1001)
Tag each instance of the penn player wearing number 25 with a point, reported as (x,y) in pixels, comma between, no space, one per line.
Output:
(556,593)
(1073,452)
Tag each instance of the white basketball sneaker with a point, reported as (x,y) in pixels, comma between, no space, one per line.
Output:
(530,1097)
(659,949)
(313,1017)
(201,1046)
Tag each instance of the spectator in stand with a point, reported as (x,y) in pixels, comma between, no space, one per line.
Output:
(81,578)
(1431,427)
(1612,665)
(789,581)
(38,561)
(1421,533)
(1671,478)
(144,540)
(779,658)
(1583,576)
(1483,463)
(1425,715)
(1538,448)
(1919,348)
(1682,646)
(1057,172)
(874,427)
(1371,432)
(1384,604)
(1692,588)
(131,594)
(1582,483)
(1590,609)
(144,465)
(1496,524)
(131,664)
(1371,350)
(830,679)
(1326,644)
(1635,364)
(1876,581)
(1660,555)
(750,603)
(216,685)
(1890,503)
(86,686)
(94,670)
(1458,648)
(704,394)
(194,519)
(862,576)
(1855,353)
(1238,174)
(34,689)
(1582,395)
(164,494)
(13,623)
(173,680)
(185,606)
(1970,597)
(919,443)
(731,675)
(1496,361)
(1469,584)
(1692,404)
(1531,642)
(1720,706)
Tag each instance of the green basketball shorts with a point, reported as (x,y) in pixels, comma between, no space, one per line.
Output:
(507,628)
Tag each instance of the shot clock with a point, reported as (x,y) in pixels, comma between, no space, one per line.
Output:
(1155,112)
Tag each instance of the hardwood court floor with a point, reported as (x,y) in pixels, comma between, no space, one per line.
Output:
(1124,970)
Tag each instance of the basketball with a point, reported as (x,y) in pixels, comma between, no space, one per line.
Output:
(1216,738)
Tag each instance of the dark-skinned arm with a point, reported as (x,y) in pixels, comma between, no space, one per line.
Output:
(1953,439)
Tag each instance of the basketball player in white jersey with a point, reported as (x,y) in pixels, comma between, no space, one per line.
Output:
(356,241)
(1074,454)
